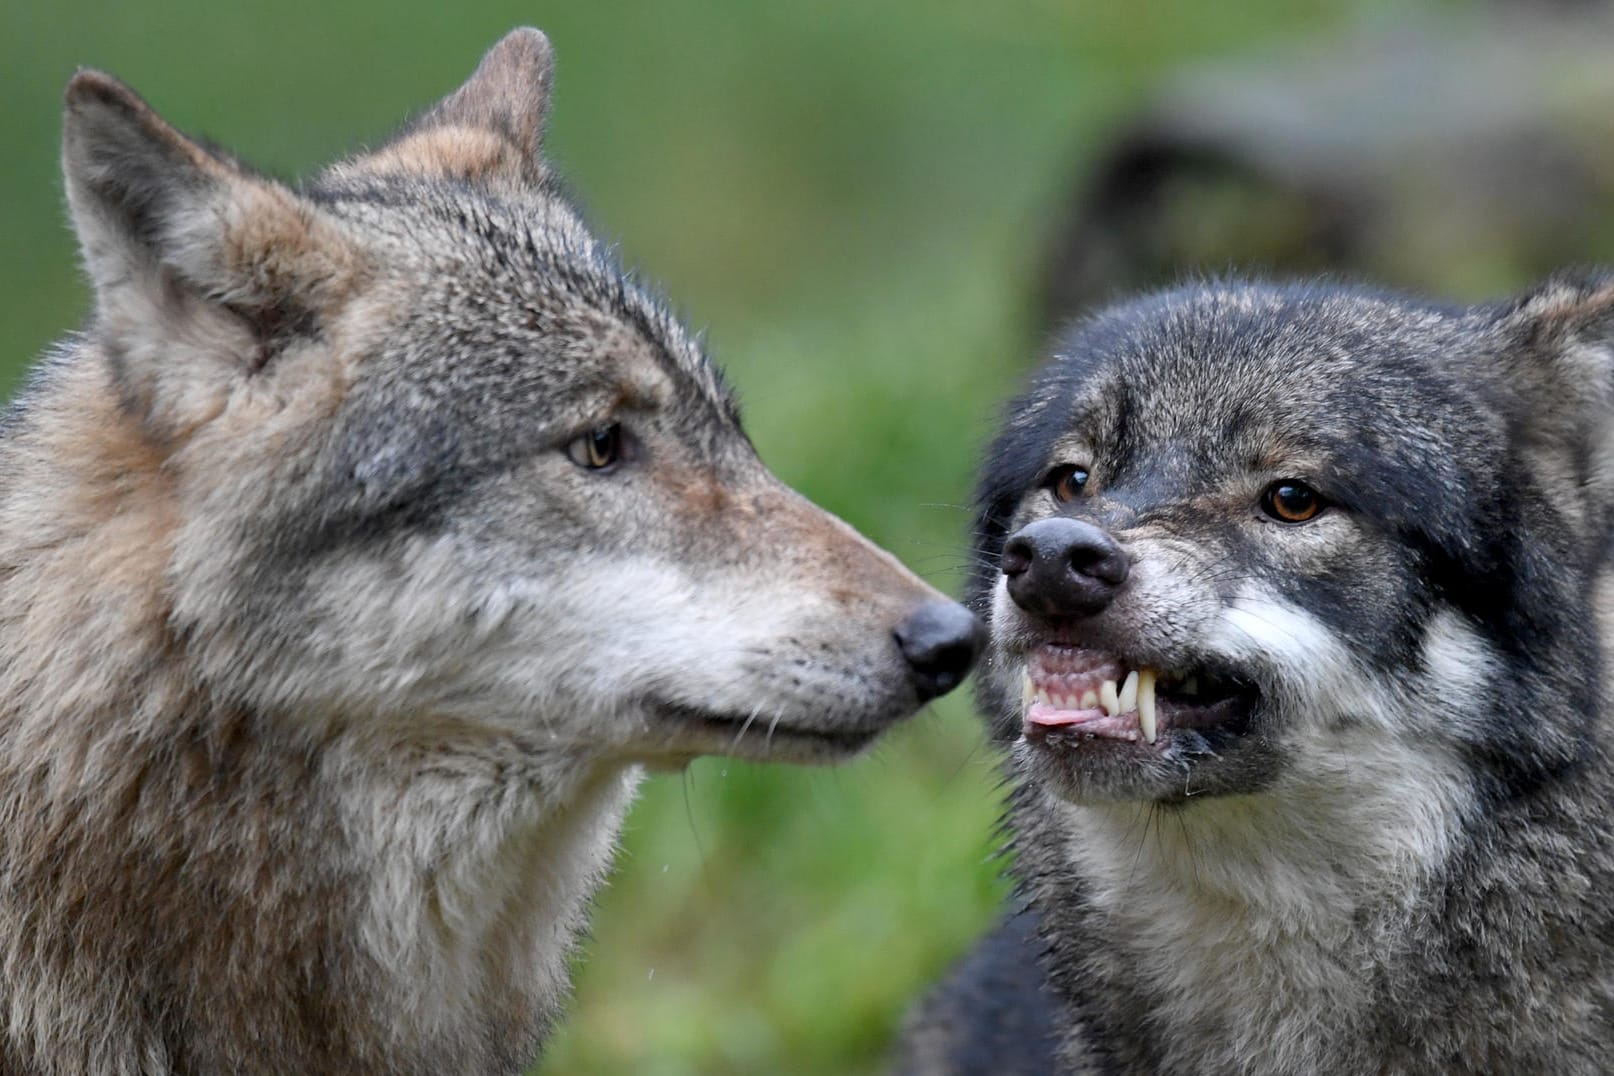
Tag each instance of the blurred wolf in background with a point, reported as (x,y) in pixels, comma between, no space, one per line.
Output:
(357,556)
(1299,601)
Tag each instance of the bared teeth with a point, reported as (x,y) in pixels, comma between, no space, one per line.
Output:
(1128,696)
(1146,715)
(1136,692)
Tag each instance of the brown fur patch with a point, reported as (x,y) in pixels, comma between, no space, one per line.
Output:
(1566,310)
(465,153)
(278,247)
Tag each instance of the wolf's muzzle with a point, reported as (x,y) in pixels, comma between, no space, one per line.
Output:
(940,641)
(1062,567)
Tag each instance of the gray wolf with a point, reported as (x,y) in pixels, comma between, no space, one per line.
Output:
(1299,603)
(358,555)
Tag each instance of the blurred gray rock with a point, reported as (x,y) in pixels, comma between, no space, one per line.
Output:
(1466,155)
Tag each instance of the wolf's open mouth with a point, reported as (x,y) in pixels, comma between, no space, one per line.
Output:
(1096,696)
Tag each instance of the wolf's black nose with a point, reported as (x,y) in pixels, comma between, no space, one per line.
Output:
(940,640)
(1063,567)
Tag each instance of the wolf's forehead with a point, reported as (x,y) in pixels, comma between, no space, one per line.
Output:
(1212,352)
(520,293)
(1250,379)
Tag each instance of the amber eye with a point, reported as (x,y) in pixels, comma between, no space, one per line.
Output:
(1067,483)
(598,448)
(1290,501)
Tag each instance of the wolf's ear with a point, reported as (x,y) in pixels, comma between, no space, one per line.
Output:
(1558,371)
(201,270)
(489,130)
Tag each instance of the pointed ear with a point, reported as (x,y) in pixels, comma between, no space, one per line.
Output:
(1558,373)
(489,130)
(193,259)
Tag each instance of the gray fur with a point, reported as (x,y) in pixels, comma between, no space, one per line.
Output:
(1400,861)
(328,661)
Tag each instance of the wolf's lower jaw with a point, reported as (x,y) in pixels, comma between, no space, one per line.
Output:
(759,736)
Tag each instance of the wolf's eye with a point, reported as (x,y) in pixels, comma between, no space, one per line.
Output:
(1067,483)
(1291,501)
(598,448)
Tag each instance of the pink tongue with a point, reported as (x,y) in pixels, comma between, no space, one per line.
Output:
(1091,723)
(1040,713)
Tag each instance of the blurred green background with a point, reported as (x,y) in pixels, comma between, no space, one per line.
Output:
(854,197)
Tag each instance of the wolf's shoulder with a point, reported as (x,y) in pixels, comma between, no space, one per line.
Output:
(992,1016)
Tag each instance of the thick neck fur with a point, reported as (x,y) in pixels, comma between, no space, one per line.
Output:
(181,877)
(1378,922)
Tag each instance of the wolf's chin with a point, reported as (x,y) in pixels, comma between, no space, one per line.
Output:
(758,736)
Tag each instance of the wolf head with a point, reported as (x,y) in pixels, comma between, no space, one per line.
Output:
(1233,533)
(432,457)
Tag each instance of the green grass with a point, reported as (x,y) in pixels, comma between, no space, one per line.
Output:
(853,196)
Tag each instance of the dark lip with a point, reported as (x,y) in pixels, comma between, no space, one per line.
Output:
(750,729)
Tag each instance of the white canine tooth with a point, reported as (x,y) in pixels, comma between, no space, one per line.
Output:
(1089,700)
(1028,692)
(1146,704)
(1128,698)
(1108,698)
(1042,697)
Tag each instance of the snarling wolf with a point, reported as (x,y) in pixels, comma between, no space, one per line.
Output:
(358,555)
(1299,601)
